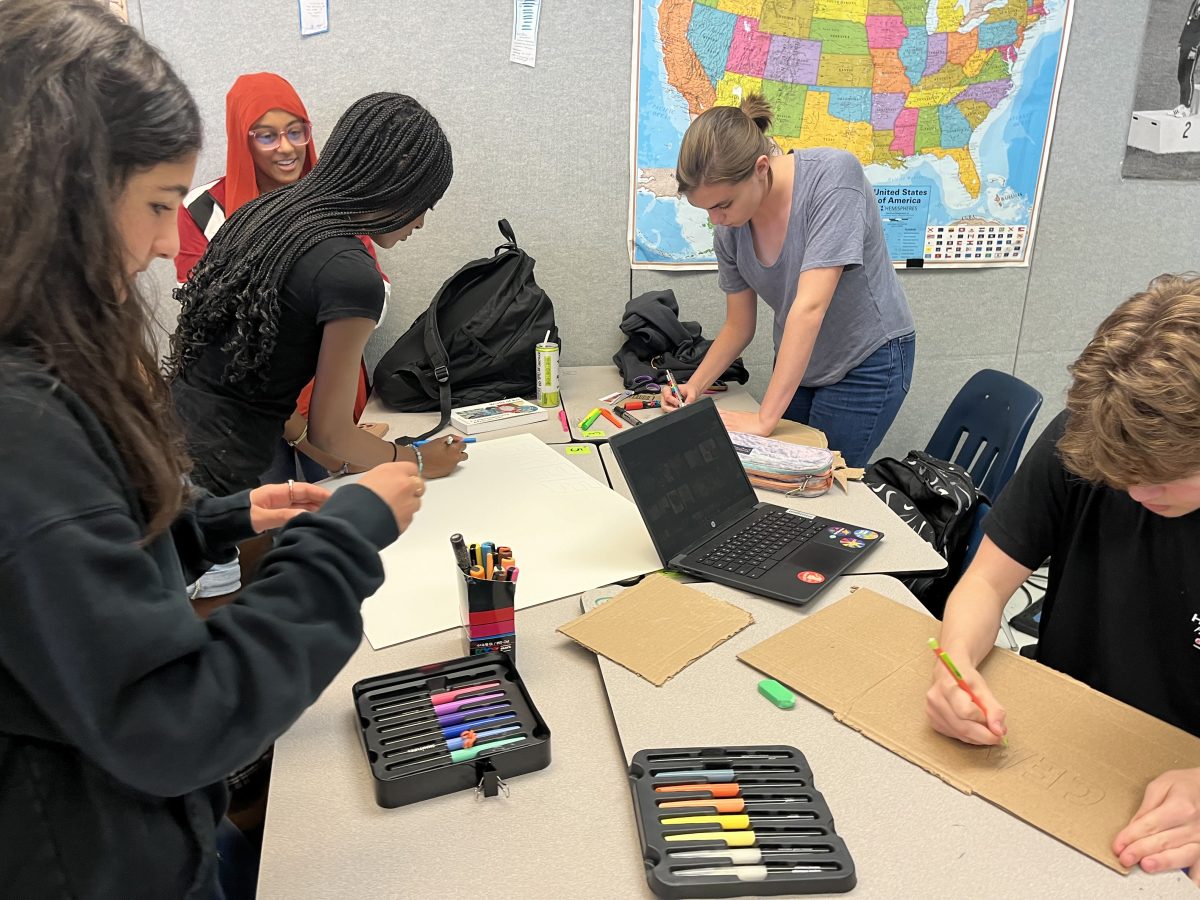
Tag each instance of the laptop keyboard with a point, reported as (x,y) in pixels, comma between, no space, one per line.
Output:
(761,543)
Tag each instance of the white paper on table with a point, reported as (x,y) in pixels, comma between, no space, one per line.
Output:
(526,15)
(314,17)
(569,533)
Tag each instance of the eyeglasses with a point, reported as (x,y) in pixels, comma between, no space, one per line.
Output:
(268,138)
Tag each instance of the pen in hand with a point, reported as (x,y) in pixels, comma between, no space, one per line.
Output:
(449,440)
(945,660)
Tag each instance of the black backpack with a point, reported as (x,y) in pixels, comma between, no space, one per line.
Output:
(475,342)
(939,501)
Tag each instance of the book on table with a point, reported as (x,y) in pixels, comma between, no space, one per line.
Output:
(496,415)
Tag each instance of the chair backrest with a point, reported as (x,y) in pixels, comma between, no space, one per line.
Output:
(985,428)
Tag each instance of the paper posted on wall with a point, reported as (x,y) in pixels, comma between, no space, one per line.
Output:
(526,15)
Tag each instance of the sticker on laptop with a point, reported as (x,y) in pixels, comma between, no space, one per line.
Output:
(866,534)
(810,577)
(838,532)
(852,543)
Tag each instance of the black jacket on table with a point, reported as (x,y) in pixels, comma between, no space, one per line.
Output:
(120,710)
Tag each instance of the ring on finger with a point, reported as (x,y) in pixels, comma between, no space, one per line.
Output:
(291,492)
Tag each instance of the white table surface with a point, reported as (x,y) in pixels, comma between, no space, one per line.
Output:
(910,834)
(412,424)
(582,387)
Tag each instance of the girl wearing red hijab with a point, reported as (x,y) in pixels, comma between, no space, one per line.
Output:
(268,145)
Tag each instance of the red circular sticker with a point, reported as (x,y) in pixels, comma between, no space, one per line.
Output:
(809,577)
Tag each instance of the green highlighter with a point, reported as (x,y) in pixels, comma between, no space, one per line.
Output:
(472,752)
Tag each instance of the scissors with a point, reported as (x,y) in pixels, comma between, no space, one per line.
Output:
(646,384)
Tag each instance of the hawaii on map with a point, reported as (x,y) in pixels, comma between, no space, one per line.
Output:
(948,104)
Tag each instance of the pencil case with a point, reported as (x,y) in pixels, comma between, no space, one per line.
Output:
(734,822)
(449,726)
(786,468)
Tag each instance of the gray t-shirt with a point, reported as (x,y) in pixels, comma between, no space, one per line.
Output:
(834,222)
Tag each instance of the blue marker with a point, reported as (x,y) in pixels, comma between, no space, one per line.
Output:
(449,441)
(457,743)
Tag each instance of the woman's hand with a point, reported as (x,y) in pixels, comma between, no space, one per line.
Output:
(952,713)
(442,455)
(273,505)
(746,423)
(1165,832)
(689,392)
(400,487)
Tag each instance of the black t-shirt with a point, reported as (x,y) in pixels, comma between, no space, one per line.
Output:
(1122,612)
(232,428)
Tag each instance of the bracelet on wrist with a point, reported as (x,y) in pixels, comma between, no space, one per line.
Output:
(395,452)
(420,462)
(302,436)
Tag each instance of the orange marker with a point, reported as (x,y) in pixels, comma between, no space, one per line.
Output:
(608,415)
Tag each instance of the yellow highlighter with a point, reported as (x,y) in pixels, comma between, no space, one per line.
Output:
(727,822)
(747,838)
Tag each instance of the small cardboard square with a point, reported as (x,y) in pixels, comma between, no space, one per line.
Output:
(657,628)
(1077,763)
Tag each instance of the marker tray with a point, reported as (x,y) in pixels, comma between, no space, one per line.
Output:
(409,744)
(768,829)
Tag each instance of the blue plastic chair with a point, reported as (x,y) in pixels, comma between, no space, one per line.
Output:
(985,427)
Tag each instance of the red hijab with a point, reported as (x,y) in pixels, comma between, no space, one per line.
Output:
(251,98)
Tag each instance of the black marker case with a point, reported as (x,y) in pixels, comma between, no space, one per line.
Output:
(407,749)
(793,830)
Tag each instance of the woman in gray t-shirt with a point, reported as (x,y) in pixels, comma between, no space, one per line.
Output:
(803,232)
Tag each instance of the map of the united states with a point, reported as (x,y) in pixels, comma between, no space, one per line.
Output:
(884,79)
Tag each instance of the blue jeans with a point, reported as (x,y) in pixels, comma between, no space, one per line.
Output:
(856,412)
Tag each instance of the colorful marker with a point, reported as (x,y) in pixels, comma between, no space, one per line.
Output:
(456,743)
(449,441)
(443,709)
(745,838)
(439,698)
(589,419)
(759,873)
(737,822)
(608,415)
(751,855)
(460,552)
(732,804)
(562,419)
(727,790)
(643,404)
(627,417)
(712,775)
(457,756)
(675,388)
(446,720)
(957,676)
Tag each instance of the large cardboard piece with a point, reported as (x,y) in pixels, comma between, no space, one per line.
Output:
(658,628)
(1077,762)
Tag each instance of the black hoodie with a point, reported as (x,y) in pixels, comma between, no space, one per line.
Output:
(120,710)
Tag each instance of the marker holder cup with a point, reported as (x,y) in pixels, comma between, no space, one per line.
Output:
(487,612)
(397,721)
(790,820)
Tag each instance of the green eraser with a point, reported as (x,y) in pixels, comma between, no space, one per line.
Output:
(777,693)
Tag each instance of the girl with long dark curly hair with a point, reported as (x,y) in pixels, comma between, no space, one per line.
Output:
(286,288)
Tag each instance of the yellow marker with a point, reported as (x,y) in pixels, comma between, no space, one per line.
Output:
(727,823)
(733,839)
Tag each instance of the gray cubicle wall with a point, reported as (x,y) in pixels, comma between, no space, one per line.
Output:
(548,148)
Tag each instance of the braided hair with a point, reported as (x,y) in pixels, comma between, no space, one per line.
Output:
(386,163)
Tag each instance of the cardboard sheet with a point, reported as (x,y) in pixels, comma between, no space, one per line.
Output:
(569,533)
(657,628)
(1077,763)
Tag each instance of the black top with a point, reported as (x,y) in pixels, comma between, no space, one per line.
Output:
(232,429)
(1122,612)
(120,710)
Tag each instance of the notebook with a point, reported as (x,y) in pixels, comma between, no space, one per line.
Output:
(705,519)
(496,414)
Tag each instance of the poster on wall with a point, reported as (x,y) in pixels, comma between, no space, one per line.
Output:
(1164,128)
(948,104)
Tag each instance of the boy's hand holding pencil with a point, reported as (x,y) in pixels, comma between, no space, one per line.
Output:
(960,704)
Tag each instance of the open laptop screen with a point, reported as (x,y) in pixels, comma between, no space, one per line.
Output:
(684,475)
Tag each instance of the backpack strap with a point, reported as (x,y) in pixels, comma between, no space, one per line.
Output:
(439,361)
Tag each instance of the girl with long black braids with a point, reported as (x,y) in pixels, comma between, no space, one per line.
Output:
(287,289)
(120,709)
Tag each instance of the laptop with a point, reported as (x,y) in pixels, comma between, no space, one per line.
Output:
(705,519)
